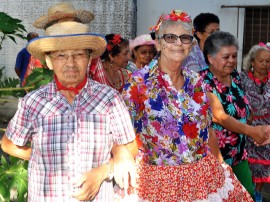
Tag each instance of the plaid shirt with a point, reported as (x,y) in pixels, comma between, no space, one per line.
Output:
(97,72)
(69,140)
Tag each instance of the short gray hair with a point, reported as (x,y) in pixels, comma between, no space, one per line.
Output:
(216,41)
(249,58)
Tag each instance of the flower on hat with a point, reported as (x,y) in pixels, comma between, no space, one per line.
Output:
(174,16)
(115,41)
(267,45)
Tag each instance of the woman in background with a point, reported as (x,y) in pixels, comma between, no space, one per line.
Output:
(230,106)
(142,51)
(204,25)
(110,68)
(256,83)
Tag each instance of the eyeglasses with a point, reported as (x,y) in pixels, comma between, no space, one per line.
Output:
(63,58)
(145,52)
(171,38)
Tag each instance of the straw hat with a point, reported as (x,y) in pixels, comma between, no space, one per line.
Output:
(67,36)
(62,11)
(141,40)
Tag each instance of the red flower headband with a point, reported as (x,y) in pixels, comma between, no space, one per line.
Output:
(267,45)
(174,16)
(115,41)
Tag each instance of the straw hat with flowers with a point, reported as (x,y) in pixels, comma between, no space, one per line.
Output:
(62,11)
(67,36)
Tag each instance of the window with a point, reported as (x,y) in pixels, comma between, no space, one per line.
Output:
(256,27)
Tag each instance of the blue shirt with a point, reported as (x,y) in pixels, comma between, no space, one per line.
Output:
(22,61)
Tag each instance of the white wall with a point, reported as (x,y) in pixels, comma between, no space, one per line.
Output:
(148,12)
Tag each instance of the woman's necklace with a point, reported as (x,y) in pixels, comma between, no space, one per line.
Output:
(259,84)
(113,78)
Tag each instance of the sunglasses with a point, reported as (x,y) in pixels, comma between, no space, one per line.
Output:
(171,38)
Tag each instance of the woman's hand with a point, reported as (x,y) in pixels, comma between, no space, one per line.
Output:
(263,135)
(124,167)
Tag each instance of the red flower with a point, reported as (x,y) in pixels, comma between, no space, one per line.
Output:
(198,97)
(138,96)
(204,109)
(190,130)
(116,39)
(109,47)
(174,16)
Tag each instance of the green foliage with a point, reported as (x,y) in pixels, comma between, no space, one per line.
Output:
(11,28)
(13,175)
(10,86)
(13,171)
(38,77)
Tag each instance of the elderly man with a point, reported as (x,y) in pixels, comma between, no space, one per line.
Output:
(80,130)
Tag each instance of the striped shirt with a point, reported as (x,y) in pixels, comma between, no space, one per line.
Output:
(69,139)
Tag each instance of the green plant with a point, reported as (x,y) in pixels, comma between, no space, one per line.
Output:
(38,77)
(13,174)
(9,87)
(10,27)
(13,171)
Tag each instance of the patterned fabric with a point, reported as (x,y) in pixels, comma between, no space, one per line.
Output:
(172,125)
(204,180)
(33,64)
(235,103)
(132,66)
(97,73)
(195,60)
(258,157)
(69,140)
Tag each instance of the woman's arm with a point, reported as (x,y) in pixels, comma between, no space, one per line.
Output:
(9,147)
(213,145)
(258,133)
(124,164)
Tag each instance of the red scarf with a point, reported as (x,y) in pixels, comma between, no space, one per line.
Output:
(256,80)
(75,90)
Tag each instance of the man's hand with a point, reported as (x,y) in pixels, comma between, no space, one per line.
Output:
(90,182)
(124,167)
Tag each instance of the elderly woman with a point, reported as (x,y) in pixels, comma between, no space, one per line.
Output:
(256,83)
(110,68)
(231,110)
(171,117)
(142,51)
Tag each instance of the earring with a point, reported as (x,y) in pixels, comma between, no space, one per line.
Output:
(251,69)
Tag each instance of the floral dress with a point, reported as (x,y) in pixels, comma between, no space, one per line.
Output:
(258,94)
(174,163)
(235,103)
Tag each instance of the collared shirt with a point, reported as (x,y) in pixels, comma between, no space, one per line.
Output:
(69,139)
(171,125)
(195,60)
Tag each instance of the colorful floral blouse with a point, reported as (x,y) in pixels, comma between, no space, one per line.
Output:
(235,103)
(171,126)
